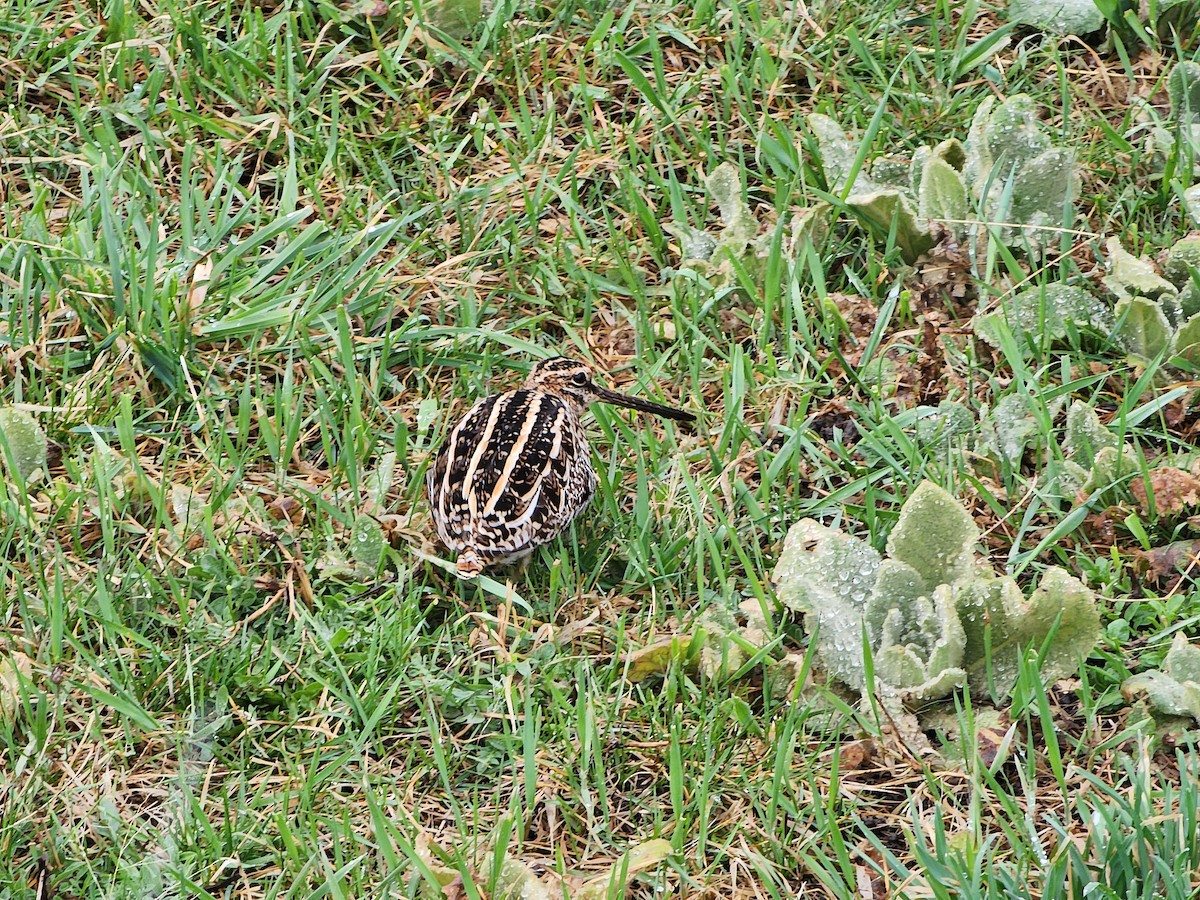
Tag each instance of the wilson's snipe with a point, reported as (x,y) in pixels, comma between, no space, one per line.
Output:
(517,469)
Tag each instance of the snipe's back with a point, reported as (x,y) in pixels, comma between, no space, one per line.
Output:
(517,468)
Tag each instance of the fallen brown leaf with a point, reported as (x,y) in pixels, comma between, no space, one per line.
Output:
(198,289)
(286,508)
(1167,566)
(944,274)
(371,9)
(14,668)
(990,744)
(859,313)
(656,658)
(1171,491)
(857,755)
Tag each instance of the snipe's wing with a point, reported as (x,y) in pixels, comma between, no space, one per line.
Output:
(511,474)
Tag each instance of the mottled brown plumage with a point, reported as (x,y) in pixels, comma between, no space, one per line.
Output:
(517,468)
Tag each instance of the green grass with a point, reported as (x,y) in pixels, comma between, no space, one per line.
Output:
(256,258)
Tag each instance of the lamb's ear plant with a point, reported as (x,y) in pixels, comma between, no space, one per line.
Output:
(1044,316)
(1155,316)
(738,245)
(499,867)
(931,613)
(367,547)
(1008,172)
(720,642)
(941,425)
(884,205)
(1131,22)
(1093,458)
(1183,90)
(1022,183)
(1173,143)
(1057,16)
(1011,427)
(1171,694)
(23,445)
(457,18)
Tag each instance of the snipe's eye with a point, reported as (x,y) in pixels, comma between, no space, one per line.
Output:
(580,378)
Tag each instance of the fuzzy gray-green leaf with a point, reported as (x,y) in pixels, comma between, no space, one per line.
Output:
(943,193)
(979,163)
(1132,276)
(934,535)
(878,205)
(1183,660)
(1111,465)
(694,244)
(721,654)
(1143,329)
(1191,195)
(1040,312)
(890,172)
(1175,690)
(827,576)
(1045,189)
(457,18)
(1064,478)
(1183,259)
(1172,19)
(1022,183)
(1164,695)
(897,585)
(945,636)
(897,666)
(1058,17)
(1013,133)
(884,206)
(1008,429)
(1189,301)
(22,444)
(808,226)
(1085,435)
(837,153)
(724,184)
(1187,341)
(951,152)
(996,617)
(1183,89)
(367,544)
(921,642)
(941,424)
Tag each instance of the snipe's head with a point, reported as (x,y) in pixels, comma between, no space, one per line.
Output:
(574,382)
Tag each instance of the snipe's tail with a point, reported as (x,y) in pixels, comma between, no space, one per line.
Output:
(469,564)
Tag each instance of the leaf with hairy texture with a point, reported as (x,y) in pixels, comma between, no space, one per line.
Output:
(828,576)
(1143,328)
(934,535)
(1175,689)
(23,444)
(1001,625)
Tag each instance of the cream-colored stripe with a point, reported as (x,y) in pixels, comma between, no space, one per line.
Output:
(514,455)
(484,440)
(560,424)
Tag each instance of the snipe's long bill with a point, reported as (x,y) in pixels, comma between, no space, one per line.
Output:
(517,469)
